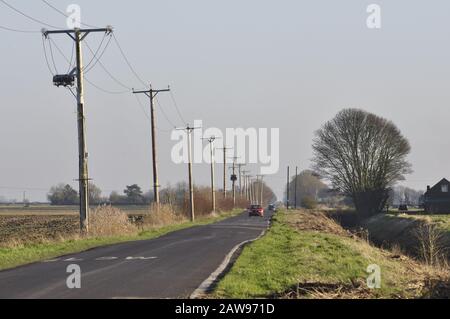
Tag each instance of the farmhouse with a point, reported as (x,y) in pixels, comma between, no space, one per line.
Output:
(437,198)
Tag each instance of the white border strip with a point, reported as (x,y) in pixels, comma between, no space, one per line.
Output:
(206,285)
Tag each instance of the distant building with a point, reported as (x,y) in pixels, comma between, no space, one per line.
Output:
(437,198)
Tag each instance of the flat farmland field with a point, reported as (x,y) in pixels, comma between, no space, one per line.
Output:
(43,221)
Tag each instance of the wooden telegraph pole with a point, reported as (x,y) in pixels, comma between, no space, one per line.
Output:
(287,187)
(189,131)
(151,94)
(234,179)
(295,187)
(78,35)
(211,141)
(224,150)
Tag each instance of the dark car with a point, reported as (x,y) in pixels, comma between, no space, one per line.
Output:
(256,210)
(272,208)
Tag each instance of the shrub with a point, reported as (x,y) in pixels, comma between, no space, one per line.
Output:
(431,247)
(165,215)
(109,221)
(309,202)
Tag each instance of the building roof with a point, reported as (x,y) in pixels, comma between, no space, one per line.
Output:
(437,189)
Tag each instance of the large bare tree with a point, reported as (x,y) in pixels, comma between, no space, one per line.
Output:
(363,155)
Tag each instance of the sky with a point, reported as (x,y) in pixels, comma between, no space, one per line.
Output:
(285,64)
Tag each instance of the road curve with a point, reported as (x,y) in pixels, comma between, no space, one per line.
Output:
(172,266)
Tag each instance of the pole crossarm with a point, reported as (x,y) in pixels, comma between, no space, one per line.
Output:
(108,29)
(151,93)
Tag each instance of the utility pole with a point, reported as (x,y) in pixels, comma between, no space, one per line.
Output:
(262,189)
(189,131)
(213,190)
(240,177)
(225,149)
(252,191)
(249,187)
(295,187)
(287,188)
(78,35)
(233,179)
(151,94)
(244,176)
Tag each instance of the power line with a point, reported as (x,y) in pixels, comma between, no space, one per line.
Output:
(63,13)
(46,57)
(178,109)
(104,90)
(148,116)
(54,8)
(165,114)
(142,107)
(128,61)
(26,15)
(94,59)
(71,58)
(51,54)
(86,79)
(18,30)
(106,70)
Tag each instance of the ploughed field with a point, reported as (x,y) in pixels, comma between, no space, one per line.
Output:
(32,228)
(31,224)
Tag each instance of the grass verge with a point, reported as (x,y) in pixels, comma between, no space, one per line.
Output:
(305,256)
(27,253)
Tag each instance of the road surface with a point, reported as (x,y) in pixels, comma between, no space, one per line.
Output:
(172,266)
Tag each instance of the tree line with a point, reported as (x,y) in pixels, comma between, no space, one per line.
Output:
(176,195)
(64,194)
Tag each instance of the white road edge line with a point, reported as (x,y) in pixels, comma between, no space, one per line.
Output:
(206,285)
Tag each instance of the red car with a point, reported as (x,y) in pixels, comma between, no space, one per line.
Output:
(256,210)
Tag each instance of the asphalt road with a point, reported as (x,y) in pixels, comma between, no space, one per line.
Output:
(172,266)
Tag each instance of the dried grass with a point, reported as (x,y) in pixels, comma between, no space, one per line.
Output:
(312,220)
(161,216)
(431,249)
(107,221)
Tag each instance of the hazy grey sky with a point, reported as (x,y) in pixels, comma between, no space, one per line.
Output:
(285,64)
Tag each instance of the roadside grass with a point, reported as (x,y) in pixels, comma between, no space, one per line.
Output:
(443,221)
(26,253)
(290,262)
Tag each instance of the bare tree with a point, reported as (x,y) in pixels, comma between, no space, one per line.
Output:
(362,155)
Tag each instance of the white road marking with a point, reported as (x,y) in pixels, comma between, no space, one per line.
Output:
(107,258)
(51,261)
(73,259)
(140,258)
